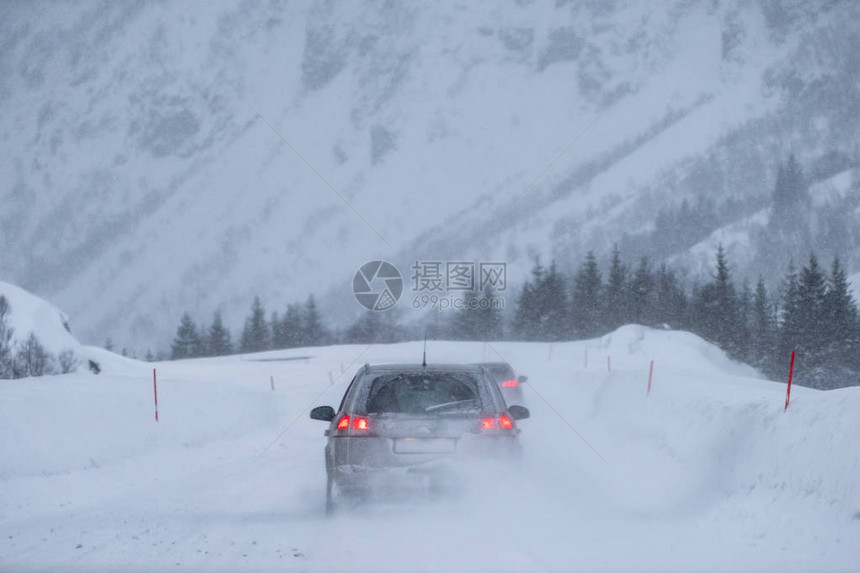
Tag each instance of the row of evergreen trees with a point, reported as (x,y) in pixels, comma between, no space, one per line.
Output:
(28,357)
(301,325)
(550,307)
(812,312)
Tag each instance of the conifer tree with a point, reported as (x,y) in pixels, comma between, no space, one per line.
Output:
(256,336)
(523,325)
(717,317)
(671,303)
(465,321)
(218,340)
(642,294)
(292,327)
(527,318)
(762,328)
(314,331)
(187,343)
(810,311)
(841,335)
(586,304)
(789,323)
(276,327)
(553,306)
(492,321)
(615,298)
(743,334)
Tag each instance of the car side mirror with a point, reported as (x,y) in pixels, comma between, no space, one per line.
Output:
(326,413)
(522,379)
(519,412)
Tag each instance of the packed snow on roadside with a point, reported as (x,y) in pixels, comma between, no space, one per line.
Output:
(706,473)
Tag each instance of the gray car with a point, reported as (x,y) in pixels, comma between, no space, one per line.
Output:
(398,425)
(508,380)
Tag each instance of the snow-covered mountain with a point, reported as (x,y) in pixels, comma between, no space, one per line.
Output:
(161,156)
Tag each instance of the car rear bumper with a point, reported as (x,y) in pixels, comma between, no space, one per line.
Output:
(368,462)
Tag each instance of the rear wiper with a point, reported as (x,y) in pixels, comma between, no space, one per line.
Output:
(444,405)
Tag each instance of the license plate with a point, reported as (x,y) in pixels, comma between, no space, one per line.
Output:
(424,445)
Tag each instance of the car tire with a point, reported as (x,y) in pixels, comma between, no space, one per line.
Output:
(329,496)
(338,498)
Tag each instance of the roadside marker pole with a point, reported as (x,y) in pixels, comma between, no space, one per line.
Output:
(272,382)
(155,392)
(586,358)
(549,355)
(330,378)
(608,363)
(788,390)
(650,375)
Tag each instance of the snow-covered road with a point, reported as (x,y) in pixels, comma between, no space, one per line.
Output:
(708,473)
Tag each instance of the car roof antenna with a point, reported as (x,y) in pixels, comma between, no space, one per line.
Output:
(424,362)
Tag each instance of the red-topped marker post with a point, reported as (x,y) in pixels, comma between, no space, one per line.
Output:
(790,373)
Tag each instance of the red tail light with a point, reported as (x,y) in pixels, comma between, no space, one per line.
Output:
(503,422)
(353,426)
(509,383)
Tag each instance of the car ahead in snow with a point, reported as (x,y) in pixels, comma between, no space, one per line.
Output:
(506,378)
(405,425)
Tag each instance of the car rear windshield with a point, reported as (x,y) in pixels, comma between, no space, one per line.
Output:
(423,393)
